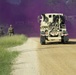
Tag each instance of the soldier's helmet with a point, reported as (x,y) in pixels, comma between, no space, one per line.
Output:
(10,25)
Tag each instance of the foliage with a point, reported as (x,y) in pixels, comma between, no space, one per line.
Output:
(7,57)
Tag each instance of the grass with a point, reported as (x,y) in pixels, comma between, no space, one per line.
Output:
(7,57)
(9,41)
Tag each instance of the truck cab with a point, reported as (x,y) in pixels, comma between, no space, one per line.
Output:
(52,26)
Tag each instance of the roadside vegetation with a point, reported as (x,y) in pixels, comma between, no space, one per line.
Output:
(7,57)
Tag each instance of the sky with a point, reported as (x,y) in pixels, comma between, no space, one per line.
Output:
(22,14)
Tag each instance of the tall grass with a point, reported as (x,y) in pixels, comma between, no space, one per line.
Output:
(7,57)
(9,41)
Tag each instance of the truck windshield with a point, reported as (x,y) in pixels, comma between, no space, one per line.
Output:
(55,18)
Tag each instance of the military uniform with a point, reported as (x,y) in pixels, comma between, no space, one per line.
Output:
(1,31)
(11,30)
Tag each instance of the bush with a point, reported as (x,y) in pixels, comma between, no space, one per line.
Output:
(7,57)
(9,41)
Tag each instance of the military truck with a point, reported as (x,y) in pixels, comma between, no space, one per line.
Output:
(52,26)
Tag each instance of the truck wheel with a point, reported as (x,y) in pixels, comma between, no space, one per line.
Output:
(64,39)
(42,40)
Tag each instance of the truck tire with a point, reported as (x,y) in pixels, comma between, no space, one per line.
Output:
(42,40)
(64,39)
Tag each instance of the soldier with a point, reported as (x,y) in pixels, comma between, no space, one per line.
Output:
(11,30)
(1,31)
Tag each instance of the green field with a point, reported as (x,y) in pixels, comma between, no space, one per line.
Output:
(7,57)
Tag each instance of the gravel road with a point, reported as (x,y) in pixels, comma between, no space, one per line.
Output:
(51,59)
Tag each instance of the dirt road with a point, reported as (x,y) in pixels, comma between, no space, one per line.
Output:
(51,59)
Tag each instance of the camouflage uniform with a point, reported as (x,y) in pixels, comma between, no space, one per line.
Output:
(11,30)
(1,31)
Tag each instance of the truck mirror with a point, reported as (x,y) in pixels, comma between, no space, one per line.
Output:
(39,19)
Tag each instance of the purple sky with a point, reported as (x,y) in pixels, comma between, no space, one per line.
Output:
(23,14)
